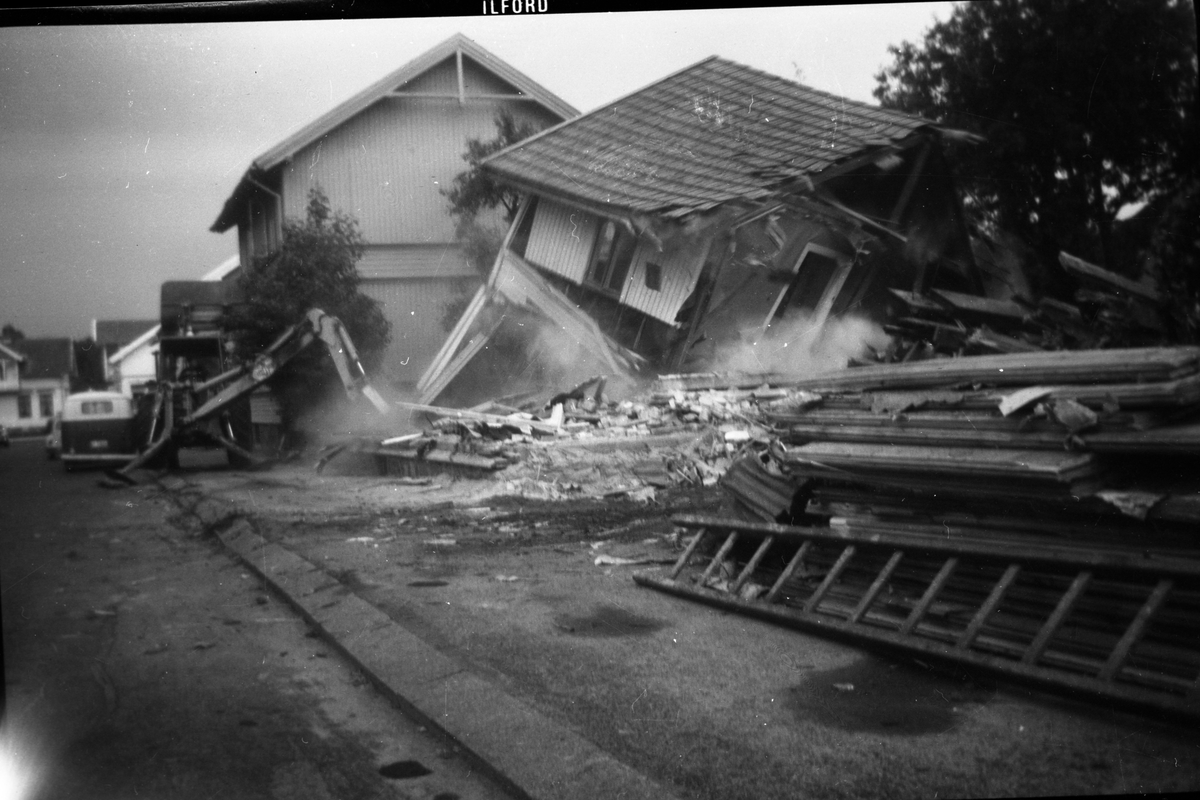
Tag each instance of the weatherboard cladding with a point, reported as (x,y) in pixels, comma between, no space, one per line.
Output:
(414,261)
(714,132)
(415,309)
(561,240)
(388,165)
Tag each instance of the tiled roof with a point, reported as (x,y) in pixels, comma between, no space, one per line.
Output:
(46,358)
(711,133)
(120,332)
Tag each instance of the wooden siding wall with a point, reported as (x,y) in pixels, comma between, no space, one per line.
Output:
(415,308)
(561,239)
(679,263)
(388,165)
(414,261)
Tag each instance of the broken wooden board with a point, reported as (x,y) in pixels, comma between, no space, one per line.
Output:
(974,462)
(1087,368)
(1110,280)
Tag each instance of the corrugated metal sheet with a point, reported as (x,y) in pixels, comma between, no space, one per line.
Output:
(414,261)
(561,239)
(415,308)
(711,133)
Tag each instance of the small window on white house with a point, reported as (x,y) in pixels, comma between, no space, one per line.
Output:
(25,405)
(46,404)
(653,276)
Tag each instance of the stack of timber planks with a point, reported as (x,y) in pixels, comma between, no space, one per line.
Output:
(1094,446)
(1108,310)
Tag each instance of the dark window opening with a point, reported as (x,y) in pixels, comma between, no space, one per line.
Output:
(611,257)
(24,406)
(46,404)
(520,239)
(812,277)
(653,276)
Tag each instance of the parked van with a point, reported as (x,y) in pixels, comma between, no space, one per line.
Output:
(97,428)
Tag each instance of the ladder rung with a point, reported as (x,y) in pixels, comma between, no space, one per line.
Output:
(876,587)
(1057,617)
(926,601)
(830,579)
(752,565)
(719,558)
(989,605)
(1135,629)
(687,553)
(788,571)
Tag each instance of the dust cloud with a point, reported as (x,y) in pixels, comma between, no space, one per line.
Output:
(801,346)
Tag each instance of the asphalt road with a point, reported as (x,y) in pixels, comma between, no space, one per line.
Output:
(141,660)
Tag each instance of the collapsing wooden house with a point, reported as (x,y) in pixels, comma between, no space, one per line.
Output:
(718,209)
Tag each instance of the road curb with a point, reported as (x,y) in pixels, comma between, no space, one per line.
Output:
(527,753)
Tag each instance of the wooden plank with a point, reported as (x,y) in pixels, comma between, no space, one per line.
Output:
(687,553)
(1058,367)
(788,571)
(831,577)
(1080,268)
(719,558)
(989,605)
(931,593)
(1057,617)
(1136,628)
(876,587)
(973,305)
(491,419)
(752,564)
(1059,467)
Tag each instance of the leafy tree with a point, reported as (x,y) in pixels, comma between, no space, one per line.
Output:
(11,333)
(474,190)
(1174,260)
(473,194)
(316,267)
(1086,106)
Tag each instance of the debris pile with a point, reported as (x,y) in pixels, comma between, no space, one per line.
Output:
(579,442)
(1034,514)
(1109,311)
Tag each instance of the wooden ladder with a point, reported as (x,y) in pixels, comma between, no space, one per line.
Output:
(1114,623)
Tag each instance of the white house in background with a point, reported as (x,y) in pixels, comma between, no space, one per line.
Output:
(384,156)
(10,383)
(43,368)
(134,365)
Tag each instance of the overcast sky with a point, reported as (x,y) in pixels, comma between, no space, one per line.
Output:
(120,144)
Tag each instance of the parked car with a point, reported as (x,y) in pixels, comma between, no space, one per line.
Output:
(54,438)
(4,440)
(97,429)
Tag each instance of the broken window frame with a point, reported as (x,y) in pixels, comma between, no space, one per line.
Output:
(612,260)
(835,283)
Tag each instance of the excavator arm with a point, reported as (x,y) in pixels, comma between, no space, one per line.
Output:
(317,325)
(234,384)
